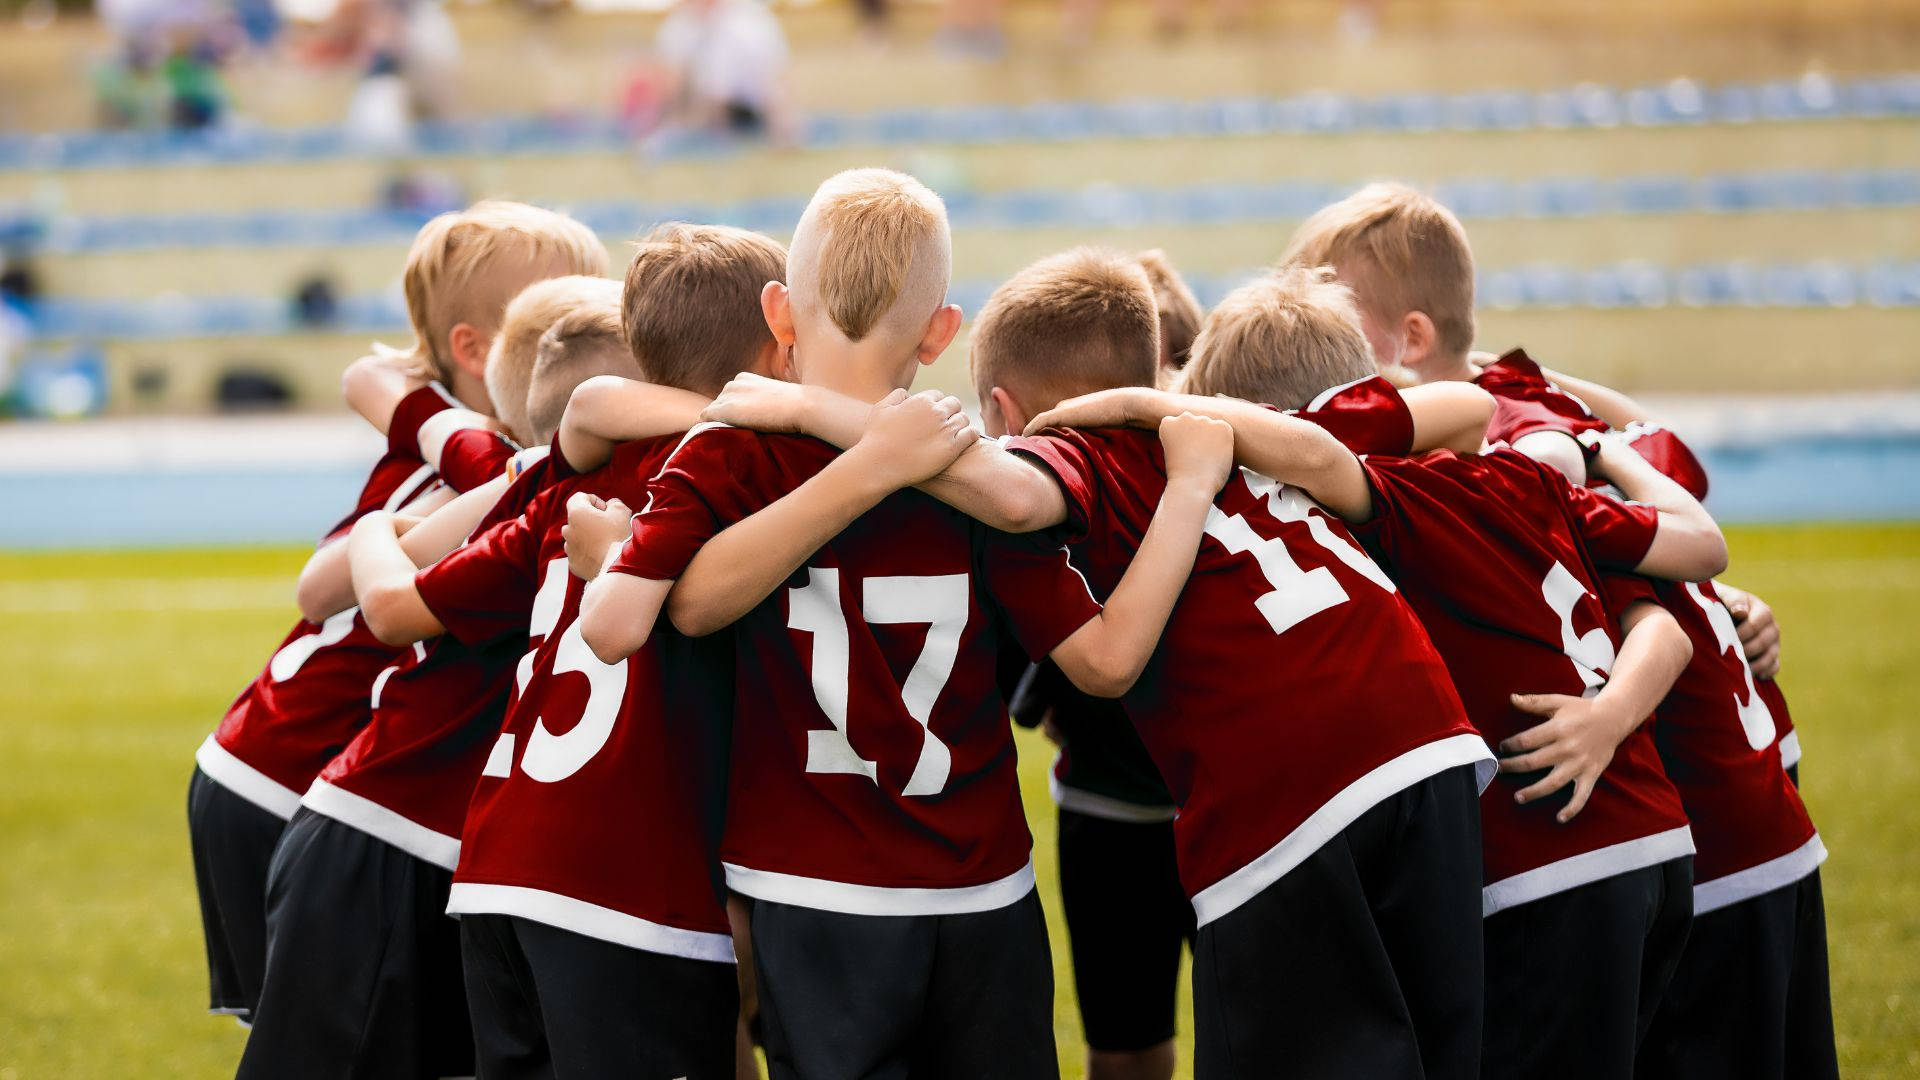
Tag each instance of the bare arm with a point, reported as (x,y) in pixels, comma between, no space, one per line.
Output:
(435,430)
(374,385)
(383,580)
(1577,739)
(607,410)
(1610,405)
(1558,449)
(617,611)
(1688,545)
(986,483)
(909,439)
(1449,416)
(1107,654)
(1286,448)
(429,527)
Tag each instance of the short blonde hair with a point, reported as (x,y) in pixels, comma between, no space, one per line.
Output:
(1281,340)
(465,265)
(1180,313)
(516,347)
(583,343)
(1401,251)
(690,309)
(1072,323)
(872,253)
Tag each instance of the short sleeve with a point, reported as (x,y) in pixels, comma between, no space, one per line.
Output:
(1617,533)
(1043,597)
(1669,454)
(1063,457)
(473,456)
(1620,591)
(403,430)
(1368,416)
(678,518)
(484,590)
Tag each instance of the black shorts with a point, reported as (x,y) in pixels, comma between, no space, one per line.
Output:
(550,1002)
(363,963)
(1364,960)
(927,996)
(1127,920)
(233,842)
(1750,998)
(1573,978)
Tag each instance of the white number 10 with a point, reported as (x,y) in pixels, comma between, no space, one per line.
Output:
(942,602)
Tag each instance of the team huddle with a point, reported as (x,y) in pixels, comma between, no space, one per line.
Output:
(673,649)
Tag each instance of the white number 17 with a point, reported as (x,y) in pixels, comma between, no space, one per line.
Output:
(941,602)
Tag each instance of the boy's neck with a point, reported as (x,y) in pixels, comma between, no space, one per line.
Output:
(867,370)
(1450,369)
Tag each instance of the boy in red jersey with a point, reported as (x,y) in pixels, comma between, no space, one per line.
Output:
(311,699)
(876,823)
(1411,269)
(1502,559)
(1750,997)
(578,962)
(362,967)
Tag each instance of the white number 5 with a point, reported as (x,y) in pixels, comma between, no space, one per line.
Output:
(941,602)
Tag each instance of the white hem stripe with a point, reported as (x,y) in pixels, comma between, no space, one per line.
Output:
(1106,807)
(1758,880)
(1586,868)
(382,824)
(591,920)
(1337,813)
(246,781)
(1790,749)
(823,895)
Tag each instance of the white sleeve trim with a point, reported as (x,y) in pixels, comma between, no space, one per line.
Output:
(408,488)
(1417,764)
(1586,868)
(382,824)
(1757,880)
(1790,749)
(246,781)
(824,895)
(590,920)
(1094,804)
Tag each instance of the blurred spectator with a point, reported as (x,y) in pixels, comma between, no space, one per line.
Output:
(974,29)
(166,65)
(727,62)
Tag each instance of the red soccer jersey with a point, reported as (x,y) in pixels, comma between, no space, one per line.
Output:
(873,766)
(312,697)
(1751,828)
(407,776)
(599,808)
(1500,556)
(472,456)
(1293,688)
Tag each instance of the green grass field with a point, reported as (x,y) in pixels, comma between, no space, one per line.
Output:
(117,665)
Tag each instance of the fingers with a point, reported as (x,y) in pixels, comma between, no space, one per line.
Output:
(1582,788)
(1526,763)
(1541,704)
(1562,775)
(893,398)
(1040,423)
(617,507)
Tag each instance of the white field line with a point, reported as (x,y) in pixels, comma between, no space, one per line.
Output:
(60,596)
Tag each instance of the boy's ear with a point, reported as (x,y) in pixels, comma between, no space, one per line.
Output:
(940,333)
(1002,410)
(1421,339)
(469,347)
(776,362)
(776,304)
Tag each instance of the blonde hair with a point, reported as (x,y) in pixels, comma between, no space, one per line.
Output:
(872,253)
(1401,251)
(1281,340)
(1072,323)
(583,343)
(516,347)
(1180,313)
(690,309)
(465,265)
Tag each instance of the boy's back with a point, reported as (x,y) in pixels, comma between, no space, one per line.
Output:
(873,767)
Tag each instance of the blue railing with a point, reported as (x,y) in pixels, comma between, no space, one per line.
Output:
(1681,102)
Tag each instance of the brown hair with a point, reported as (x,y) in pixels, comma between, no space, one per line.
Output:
(690,311)
(452,274)
(1401,251)
(516,347)
(1180,313)
(1281,340)
(1072,323)
(873,252)
(583,343)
